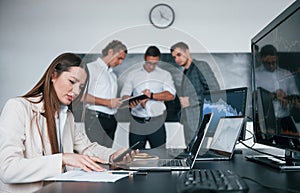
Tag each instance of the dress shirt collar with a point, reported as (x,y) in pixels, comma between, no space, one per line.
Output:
(104,65)
(63,108)
(144,70)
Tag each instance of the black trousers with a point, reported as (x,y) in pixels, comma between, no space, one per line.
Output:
(148,129)
(100,127)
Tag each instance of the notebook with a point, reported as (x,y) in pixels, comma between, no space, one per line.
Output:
(224,139)
(172,164)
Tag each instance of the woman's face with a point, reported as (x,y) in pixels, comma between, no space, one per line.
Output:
(68,84)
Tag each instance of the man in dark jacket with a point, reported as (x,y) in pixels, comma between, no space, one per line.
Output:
(197,78)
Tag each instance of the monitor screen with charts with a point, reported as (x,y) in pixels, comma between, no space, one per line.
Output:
(224,103)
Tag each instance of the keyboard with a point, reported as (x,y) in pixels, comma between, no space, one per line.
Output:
(209,180)
(172,162)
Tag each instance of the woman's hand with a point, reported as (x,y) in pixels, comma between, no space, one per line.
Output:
(126,159)
(85,162)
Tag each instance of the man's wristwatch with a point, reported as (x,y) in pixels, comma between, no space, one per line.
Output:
(151,95)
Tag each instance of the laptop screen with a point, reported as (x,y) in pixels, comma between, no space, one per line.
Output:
(226,134)
(198,139)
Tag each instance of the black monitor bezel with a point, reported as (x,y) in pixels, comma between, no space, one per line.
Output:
(276,22)
(292,9)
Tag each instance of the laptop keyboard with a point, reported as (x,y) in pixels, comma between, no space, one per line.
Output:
(208,179)
(170,162)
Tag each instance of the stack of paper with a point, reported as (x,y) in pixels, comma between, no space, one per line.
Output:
(82,176)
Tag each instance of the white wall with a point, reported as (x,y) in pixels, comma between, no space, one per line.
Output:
(33,32)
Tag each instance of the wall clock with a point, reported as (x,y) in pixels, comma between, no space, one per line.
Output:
(162,15)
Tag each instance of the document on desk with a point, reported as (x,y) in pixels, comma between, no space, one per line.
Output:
(82,176)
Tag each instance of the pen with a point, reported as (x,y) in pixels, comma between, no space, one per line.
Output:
(121,172)
(129,173)
(105,163)
(141,173)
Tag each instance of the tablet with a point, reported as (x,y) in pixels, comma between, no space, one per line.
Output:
(133,98)
(137,145)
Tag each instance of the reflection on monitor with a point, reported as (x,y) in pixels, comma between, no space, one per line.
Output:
(276,81)
(224,103)
(266,114)
(271,125)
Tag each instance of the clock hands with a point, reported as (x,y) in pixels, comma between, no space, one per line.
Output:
(162,16)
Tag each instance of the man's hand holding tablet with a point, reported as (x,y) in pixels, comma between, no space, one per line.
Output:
(134,100)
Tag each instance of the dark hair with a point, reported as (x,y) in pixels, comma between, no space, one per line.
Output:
(45,90)
(183,46)
(152,51)
(116,46)
(268,50)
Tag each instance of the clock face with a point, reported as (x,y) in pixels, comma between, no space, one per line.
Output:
(162,16)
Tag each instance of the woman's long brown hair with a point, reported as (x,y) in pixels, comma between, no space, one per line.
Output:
(45,90)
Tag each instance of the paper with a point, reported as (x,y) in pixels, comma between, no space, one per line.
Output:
(82,176)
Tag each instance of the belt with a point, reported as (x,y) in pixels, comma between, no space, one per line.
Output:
(142,119)
(105,115)
(101,114)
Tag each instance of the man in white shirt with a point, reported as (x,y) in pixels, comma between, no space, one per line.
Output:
(279,81)
(100,121)
(148,115)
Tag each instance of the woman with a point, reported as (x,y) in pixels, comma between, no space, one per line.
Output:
(38,133)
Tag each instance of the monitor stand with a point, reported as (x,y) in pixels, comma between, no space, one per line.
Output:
(290,163)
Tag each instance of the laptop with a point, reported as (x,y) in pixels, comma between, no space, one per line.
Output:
(172,164)
(223,142)
(182,154)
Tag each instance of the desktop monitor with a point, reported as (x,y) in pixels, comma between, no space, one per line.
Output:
(225,103)
(276,109)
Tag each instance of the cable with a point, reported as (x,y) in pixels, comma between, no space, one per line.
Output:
(272,187)
(249,118)
(247,139)
(275,156)
(247,130)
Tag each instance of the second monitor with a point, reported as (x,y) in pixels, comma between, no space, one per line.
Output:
(225,103)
